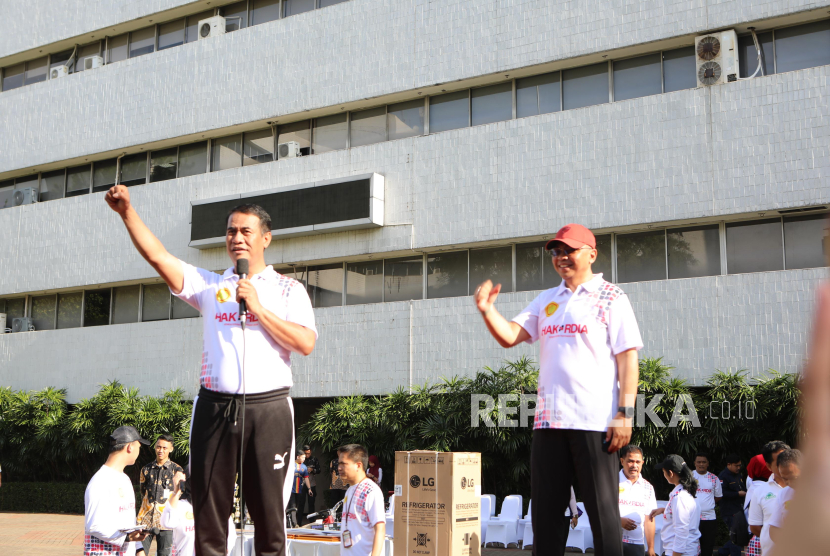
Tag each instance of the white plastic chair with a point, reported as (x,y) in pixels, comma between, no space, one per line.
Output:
(328,549)
(486,511)
(390,526)
(303,548)
(526,528)
(503,529)
(581,537)
(391,511)
(492,498)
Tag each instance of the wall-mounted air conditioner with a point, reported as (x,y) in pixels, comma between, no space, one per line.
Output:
(288,150)
(716,58)
(60,71)
(25,196)
(93,62)
(211,27)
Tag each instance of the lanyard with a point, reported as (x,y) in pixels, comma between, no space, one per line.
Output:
(349,507)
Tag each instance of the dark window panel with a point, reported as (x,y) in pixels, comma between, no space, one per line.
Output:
(602,265)
(171,34)
(364,282)
(802,46)
(163,164)
(540,94)
(97,307)
(534,268)
(6,194)
(125,304)
(36,71)
(84,52)
(447,275)
(585,86)
(330,134)
(134,169)
(142,41)
(59,59)
(26,181)
(263,11)
(694,252)
(155,304)
(679,69)
(641,257)
(192,159)
(43,311)
(325,285)
(637,77)
(403,279)
(294,7)
(103,174)
(450,111)
(77,180)
(15,309)
(492,264)
(748,56)
(237,10)
(296,131)
(117,48)
(492,104)
(806,241)
(405,119)
(258,147)
(227,153)
(192,30)
(52,185)
(13,76)
(69,309)
(755,246)
(327,3)
(181,310)
(368,127)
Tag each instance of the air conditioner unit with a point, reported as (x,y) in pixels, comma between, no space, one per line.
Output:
(716,58)
(25,196)
(93,62)
(211,27)
(60,71)
(22,324)
(288,150)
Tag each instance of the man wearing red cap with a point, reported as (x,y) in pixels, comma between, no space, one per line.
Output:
(587,388)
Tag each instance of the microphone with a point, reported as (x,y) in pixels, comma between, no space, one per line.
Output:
(242,271)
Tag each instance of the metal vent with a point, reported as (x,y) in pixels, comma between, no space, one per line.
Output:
(708,48)
(709,73)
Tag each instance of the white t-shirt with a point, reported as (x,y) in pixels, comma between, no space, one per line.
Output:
(763,505)
(681,524)
(180,520)
(708,488)
(362,510)
(268,364)
(637,500)
(109,505)
(783,508)
(580,334)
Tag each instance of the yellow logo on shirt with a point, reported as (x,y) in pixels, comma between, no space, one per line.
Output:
(223,295)
(551,308)
(622,489)
(787,505)
(188,515)
(121,492)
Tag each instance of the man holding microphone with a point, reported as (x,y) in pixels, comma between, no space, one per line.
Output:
(280,321)
(587,388)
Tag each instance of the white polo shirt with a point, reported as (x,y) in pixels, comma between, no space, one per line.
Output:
(637,500)
(783,508)
(762,507)
(681,524)
(109,506)
(267,363)
(362,510)
(580,333)
(708,488)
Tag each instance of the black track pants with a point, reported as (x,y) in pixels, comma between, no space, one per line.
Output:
(214,462)
(557,457)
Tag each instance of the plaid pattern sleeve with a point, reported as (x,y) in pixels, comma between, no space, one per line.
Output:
(93,546)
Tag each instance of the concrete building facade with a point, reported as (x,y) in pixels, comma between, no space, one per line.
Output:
(490,127)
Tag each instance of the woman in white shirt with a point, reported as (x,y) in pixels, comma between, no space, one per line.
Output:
(178,516)
(681,516)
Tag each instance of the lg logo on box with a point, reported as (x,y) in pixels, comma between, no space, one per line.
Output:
(415,481)
(467,483)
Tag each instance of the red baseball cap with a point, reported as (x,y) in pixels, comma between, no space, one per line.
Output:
(575,236)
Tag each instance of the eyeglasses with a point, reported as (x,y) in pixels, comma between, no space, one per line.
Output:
(562,251)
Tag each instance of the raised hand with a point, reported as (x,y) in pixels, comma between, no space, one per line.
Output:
(485,295)
(118,198)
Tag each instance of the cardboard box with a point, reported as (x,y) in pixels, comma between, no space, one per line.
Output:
(437,509)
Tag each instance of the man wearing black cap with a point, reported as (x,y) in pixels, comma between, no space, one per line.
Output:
(587,387)
(109,500)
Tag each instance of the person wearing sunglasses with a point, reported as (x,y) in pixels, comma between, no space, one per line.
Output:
(588,377)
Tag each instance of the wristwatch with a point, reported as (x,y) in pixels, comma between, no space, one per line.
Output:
(628,411)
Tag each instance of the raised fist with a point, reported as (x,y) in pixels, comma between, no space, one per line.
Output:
(118,198)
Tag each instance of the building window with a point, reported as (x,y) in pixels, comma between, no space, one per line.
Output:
(802,46)
(181,310)
(447,274)
(450,111)
(325,285)
(163,164)
(603,263)
(6,194)
(641,257)
(327,3)
(171,34)
(405,119)
(125,304)
(52,185)
(403,279)
(28,181)
(755,246)
(258,147)
(142,41)
(117,48)
(679,69)
(806,241)
(227,153)
(85,52)
(59,59)
(540,94)
(585,86)
(491,104)
(534,268)
(492,264)
(69,309)
(296,131)
(43,312)
(134,169)
(264,11)
(193,159)
(294,7)
(192,29)
(13,76)
(748,56)
(364,282)
(329,134)
(15,309)
(155,303)
(236,16)
(36,71)
(637,77)
(368,126)
(693,252)
(97,307)
(78,180)
(103,174)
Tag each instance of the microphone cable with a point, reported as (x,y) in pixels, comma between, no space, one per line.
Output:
(242,317)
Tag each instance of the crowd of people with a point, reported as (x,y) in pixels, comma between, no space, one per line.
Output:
(753,514)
